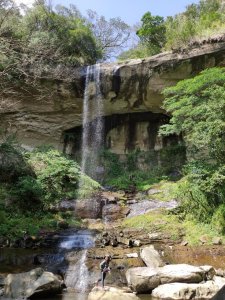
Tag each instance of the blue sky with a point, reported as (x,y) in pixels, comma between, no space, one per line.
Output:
(130,11)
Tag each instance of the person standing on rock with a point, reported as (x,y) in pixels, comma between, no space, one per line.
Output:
(104,267)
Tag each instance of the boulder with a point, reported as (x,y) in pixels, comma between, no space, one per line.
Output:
(151,257)
(111,293)
(142,280)
(36,282)
(113,212)
(186,291)
(209,272)
(88,208)
(181,273)
(125,241)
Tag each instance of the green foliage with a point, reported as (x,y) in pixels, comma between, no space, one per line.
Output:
(59,176)
(198,112)
(199,21)
(218,219)
(139,51)
(62,36)
(152,32)
(12,163)
(26,189)
(14,225)
(197,107)
(158,221)
(141,169)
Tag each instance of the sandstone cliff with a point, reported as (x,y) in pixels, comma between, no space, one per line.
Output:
(129,88)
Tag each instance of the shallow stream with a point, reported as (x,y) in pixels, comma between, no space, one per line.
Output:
(69,255)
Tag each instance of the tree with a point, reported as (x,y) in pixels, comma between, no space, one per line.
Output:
(152,32)
(111,35)
(197,110)
(40,44)
(199,21)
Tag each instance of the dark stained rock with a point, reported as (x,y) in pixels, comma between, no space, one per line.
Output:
(113,212)
(88,208)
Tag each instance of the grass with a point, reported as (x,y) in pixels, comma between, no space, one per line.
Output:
(14,225)
(166,190)
(157,221)
(194,231)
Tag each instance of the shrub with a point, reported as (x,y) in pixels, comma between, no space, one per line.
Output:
(12,163)
(27,193)
(59,176)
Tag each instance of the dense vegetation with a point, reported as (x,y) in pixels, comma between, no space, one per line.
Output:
(198,111)
(43,42)
(199,22)
(31,183)
(139,170)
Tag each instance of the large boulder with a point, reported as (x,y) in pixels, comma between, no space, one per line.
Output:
(184,291)
(111,293)
(151,257)
(36,282)
(182,273)
(113,212)
(142,280)
(88,208)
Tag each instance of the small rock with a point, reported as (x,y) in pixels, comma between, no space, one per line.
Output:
(154,236)
(137,243)
(125,241)
(114,242)
(132,255)
(106,241)
(153,192)
(204,239)
(131,201)
(184,243)
(220,272)
(217,241)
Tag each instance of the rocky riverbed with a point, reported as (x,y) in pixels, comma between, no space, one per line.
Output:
(73,255)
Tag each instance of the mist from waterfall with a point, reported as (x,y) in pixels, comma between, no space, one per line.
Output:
(93,125)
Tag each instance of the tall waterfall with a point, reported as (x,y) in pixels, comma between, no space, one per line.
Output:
(92,134)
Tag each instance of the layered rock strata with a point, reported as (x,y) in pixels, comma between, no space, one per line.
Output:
(128,88)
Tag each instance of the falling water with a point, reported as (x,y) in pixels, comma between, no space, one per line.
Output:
(78,275)
(92,134)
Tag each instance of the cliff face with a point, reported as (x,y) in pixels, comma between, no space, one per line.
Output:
(129,88)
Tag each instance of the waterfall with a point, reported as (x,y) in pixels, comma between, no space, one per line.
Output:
(93,125)
(78,275)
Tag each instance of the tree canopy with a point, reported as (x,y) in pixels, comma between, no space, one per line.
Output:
(197,23)
(152,32)
(44,42)
(197,107)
